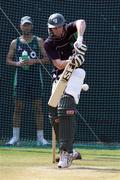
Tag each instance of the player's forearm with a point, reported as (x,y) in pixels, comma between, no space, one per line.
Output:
(81,26)
(60,64)
(11,62)
(42,61)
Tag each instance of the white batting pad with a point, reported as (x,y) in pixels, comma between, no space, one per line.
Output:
(75,83)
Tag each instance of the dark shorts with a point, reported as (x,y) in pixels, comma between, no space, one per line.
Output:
(30,92)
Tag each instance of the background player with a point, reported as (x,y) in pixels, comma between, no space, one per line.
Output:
(28,81)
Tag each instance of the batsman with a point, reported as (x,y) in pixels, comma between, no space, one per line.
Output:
(65,45)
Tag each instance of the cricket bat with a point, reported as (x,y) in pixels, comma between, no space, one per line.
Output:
(53,146)
(61,84)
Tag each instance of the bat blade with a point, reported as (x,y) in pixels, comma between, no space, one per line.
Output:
(55,97)
(61,85)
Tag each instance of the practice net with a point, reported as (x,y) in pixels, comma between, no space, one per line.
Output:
(98,110)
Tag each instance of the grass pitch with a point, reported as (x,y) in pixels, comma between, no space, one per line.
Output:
(36,164)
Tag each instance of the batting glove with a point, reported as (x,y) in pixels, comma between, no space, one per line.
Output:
(79,60)
(79,57)
(79,41)
(82,50)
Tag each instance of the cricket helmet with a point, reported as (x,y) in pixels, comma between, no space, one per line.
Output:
(56,20)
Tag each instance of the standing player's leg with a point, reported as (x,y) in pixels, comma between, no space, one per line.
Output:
(19,105)
(37,104)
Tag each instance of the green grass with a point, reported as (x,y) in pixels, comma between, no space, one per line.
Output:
(43,156)
(36,164)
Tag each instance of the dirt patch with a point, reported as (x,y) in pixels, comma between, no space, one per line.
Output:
(53,173)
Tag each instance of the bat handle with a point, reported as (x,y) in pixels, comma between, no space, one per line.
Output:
(53,146)
(75,47)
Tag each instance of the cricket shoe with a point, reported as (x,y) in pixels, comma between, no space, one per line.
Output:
(76,156)
(65,159)
(42,142)
(13,141)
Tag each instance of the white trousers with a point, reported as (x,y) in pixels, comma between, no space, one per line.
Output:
(74,84)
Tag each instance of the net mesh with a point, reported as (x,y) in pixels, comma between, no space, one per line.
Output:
(98,109)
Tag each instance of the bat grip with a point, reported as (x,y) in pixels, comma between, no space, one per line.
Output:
(53,146)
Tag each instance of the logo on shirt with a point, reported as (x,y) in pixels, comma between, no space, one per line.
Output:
(19,48)
(33,54)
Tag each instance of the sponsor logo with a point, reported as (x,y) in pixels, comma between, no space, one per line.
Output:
(33,54)
(55,20)
(70,112)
